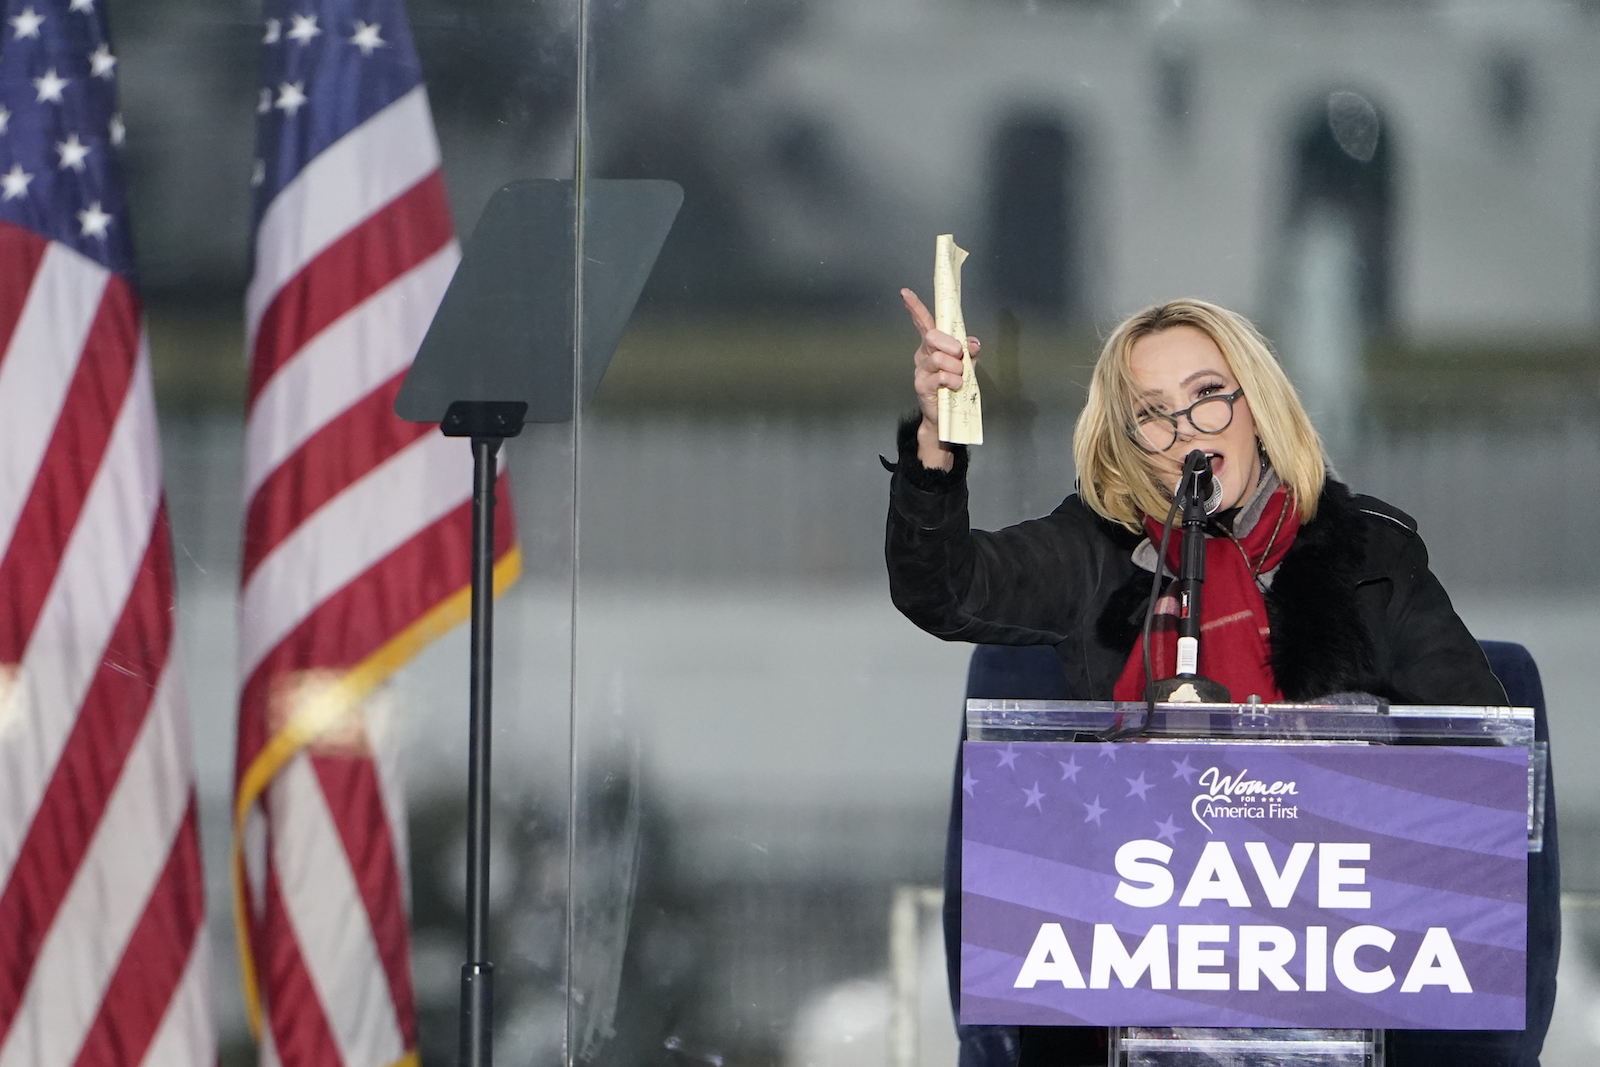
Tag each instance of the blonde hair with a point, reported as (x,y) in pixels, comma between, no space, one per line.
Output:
(1119,481)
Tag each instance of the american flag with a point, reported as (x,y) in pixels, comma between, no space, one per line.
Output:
(103,958)
(357,527)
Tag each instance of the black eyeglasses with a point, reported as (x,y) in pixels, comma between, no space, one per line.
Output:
(1158,431)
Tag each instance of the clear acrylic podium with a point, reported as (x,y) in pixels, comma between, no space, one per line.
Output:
(1095,721)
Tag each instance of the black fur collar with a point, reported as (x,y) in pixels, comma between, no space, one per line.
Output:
(1319,642)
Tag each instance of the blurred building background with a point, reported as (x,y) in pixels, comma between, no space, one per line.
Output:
(720,749)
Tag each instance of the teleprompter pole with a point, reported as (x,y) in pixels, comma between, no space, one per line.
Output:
(488,424)
(477,974)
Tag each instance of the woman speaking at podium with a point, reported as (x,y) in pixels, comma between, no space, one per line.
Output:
(1310,590)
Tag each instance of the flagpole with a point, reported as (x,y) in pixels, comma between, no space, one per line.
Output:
(477,974)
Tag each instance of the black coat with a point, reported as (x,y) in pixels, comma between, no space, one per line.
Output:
(1353,607)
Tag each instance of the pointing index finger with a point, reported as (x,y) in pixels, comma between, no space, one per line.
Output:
(921,317)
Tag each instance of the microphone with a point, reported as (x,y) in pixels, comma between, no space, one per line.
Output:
(1204,487)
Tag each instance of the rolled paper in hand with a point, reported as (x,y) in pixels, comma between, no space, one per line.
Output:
(960,410)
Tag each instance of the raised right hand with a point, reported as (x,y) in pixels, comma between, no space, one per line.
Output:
(937,363)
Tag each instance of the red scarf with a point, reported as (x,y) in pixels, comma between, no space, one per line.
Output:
(1233,617)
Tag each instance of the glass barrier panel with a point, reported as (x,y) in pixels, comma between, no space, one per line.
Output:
(722,755)
(762,745)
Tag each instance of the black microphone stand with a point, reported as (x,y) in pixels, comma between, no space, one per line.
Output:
(1187,686)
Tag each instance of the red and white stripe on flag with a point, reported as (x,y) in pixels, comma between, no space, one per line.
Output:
(356,554)
(103,956)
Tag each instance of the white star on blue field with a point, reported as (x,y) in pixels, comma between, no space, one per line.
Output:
(323,73)
(60,133)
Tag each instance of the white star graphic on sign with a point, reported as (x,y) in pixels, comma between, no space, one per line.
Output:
(967,782)
(1169,830)
(366,37)
(117,130)
(81,5)
(14,182)
(291,97)
(1108,749)
(1069,768)
(50,86)
(304,28)
(1034,795)
(258,174)
(73,152)
(102,62)
(5,120)
(93,221)
(274,32)
(264,103)
(1008,758)
(1138,786)
(1093,812)
(1184,769)
(26,24)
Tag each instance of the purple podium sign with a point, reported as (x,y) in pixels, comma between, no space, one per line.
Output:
(1266,885)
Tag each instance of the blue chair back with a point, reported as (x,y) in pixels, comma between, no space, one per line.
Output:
(1016,672)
